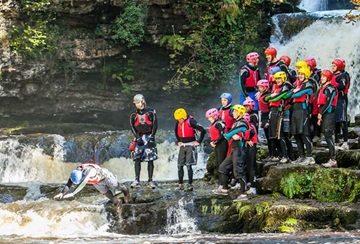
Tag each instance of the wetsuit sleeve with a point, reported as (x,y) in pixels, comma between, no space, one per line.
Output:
(244,73)
(330,95)
(200,128)
(281,95)
(176,132)
(153,118)
(341,82)
(238,128)
(220,127)
(132,122)
(304,90)
(67,187)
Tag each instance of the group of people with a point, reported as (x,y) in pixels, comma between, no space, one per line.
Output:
(301,103)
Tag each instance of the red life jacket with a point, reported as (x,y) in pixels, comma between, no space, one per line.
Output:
(277,89)
(184,130)
(301,99)
(225,116)
(323,97)
(214,132)
(254,137)
(263,105)
(95,179)
(253,78)
(142,123)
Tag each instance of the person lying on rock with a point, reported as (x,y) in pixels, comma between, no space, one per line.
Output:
(103,180)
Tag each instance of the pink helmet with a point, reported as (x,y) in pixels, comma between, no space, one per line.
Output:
(213,113)
(246,117)
(249,102)
(252,57)
(264,83)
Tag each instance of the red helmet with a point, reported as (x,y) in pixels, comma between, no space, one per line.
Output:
(249,102)
(213,113)
(311,62)
(343,60)
(264,83)
(286,60)
(252,57)
(339,64)
(270,51)
(246,117)
(327,73)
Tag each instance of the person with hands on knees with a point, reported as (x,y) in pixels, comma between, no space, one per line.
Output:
(186,128)
(143,124)
(101,178)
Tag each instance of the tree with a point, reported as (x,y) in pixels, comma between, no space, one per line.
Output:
(350,17)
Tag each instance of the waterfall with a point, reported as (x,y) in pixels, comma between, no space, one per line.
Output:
(178,219)
(313,5)
(327,38)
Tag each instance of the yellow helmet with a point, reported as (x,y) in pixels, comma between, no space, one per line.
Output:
(305,71)
(240,109)
(180,113)
(301,64)
(281,75)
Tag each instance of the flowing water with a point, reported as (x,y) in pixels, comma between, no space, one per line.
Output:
(38,219)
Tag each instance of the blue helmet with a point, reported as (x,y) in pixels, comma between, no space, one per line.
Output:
(76,176)
(274,70)
(228,96)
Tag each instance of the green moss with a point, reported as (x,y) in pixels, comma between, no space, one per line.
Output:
(286,229)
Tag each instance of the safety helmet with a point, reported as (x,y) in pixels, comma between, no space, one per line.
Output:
(252,57)
(228,96)
(180,113)
(239,109)
(246,117)
(281,75)
(305,71)
(249,102)
(343,60)
(328,74)
(76,176)
(264,83)
(275,69)
(138,98)
(301,64)
(270,51)
(286,60)
(213,113)
(311,62)
(339,64)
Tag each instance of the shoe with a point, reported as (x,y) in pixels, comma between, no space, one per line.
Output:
(251,191)
(267,159)
(344,147)
(188,187)
(233,182)
(236,187)
(284,160)
(135,184)
(308,161)
(240,198)
(180,187)
(298,160)
(316,139)
(275,159)
(220,192)
(330,164)
(151,185)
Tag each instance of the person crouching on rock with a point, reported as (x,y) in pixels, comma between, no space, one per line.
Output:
(102,179)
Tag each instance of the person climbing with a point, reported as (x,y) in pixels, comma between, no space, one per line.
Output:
(103,180)
(186,128)
(143,125)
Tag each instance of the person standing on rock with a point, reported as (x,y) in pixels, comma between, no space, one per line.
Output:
(102,179)
(327,101)
(186,128)
(143,124)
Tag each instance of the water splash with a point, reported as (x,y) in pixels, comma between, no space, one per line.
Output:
(325,40)
(179,220)
(313,5)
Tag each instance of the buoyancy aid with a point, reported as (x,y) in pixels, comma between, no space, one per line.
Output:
(143,124)
(226,116)
(253,78)
(323,97)
(97,177)
(263,105)
(214,132)
(185,130)
(305,97)
(277,89)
